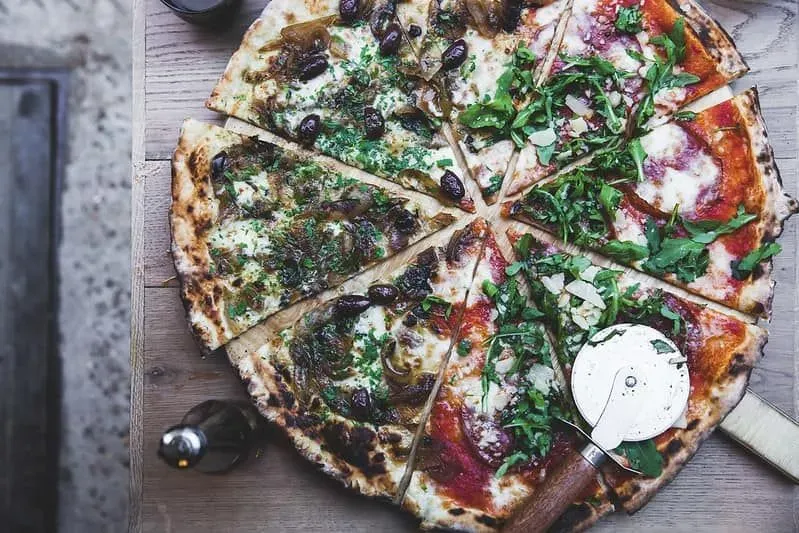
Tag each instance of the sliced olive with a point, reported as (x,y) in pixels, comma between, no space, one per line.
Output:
(452,186)
(454,55)
(351,305)
(373,122)
(348,9)
(391,40)
(309,128)
(414,30)
(312,67)
(383,294)
(218,164)
(405,221)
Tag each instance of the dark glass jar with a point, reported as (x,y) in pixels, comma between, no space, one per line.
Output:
(215,13)
(213,437)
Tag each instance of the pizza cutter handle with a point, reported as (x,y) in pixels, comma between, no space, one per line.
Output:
(564,486)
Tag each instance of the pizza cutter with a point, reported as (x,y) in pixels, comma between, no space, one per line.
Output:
(630,383)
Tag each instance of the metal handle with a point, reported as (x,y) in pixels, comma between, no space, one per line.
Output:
(563,487)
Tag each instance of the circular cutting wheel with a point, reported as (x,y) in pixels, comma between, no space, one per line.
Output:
(664,368)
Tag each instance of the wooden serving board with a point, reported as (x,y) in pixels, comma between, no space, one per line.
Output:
(175,67)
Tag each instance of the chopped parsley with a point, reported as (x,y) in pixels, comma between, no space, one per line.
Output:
(629,19)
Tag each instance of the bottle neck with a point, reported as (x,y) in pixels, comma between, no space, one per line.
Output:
(183,446)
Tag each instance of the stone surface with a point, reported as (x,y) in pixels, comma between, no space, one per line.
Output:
(92,38)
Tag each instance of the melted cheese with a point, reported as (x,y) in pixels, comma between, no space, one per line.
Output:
(678,186)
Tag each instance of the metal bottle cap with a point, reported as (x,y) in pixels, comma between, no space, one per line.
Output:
(182,446)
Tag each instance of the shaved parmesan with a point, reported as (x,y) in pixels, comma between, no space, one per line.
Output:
(587,292)
(578,126)
(554,284)
(542,378)
(590,273)
(543,137)
(578,107)
(503,366)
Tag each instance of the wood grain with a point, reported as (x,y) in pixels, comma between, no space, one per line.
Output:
(722,489)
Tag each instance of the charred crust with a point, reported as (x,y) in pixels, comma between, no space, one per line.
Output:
(692,424)
(674,446)
(354,445)
(456,511)
(574,515)
(487,520)
(739,365)
(273,401)
(287,397)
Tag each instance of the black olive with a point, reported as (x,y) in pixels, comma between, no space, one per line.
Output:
(405,221)
(511,11)
(309,128)
(410,320)
(414,30)
(452,186)
(373,122)
(218,164)
(455,55)
(383,294)
(361,404)
(351,305)
(391,40)
(312,67)
(348,9)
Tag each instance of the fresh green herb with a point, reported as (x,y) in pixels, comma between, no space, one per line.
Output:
(643,456)
(444,163)
(743,269)
(464,347)
(494,185)
(625,251)
(684,116)
(662,346)
(430,301)
(236,310)
(629,19)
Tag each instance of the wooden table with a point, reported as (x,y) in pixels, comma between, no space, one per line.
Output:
(175,67)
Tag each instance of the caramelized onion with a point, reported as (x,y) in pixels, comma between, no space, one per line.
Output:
(306,37)
(386,353)
(486,15)
(413,178)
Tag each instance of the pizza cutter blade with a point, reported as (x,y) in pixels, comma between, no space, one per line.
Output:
(630,383)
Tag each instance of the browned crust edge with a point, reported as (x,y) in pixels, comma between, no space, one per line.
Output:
(729,61)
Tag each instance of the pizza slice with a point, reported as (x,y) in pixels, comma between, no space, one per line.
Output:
(697,201)
(349,380)
(623,65)
(580,298)
(483,58)
(340,77)
(256,228)
(492,434)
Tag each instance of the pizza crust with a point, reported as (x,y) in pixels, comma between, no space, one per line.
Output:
(779,206)
(195,207)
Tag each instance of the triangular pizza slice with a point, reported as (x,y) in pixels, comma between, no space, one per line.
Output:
(492,435)
(344,82)
(623,65)
(349,380)
(697,202)
(484,57)
(256,227)
(581,298)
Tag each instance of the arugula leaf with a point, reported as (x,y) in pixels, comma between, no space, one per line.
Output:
(629,19)
(464,347)
(676,319)
(625,251)
(743,269)
(707,231)
(643,456)
(684,116)
(639,155)
(545,153)
(662,346)
(431,300)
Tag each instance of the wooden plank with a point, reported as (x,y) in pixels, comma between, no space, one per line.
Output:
(137,240)
(29,407)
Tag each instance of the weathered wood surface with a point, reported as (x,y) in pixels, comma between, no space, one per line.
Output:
(722,489)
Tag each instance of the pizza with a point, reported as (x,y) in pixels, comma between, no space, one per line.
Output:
(622,65)
(416,342)
(697,201)
(580,298)
(340,82)
(480,52)
(256,228)
(349,381)
(492,434)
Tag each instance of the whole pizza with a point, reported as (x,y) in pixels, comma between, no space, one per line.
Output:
(438,203)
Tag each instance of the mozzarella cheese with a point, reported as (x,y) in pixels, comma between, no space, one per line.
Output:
(682,186)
